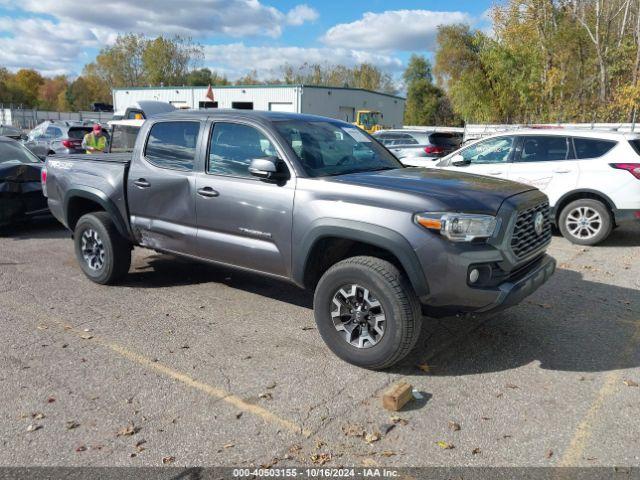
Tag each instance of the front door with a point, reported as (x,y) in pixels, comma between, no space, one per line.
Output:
(161,188)
(243,220)
(547,163)
(488,157)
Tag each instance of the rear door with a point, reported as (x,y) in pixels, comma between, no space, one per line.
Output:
(243,220)
(546,162)
(488,157)
(161,187)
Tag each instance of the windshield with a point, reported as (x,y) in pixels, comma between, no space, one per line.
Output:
(12,153)
(326,148)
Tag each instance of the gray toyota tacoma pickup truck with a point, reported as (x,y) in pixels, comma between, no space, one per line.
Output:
(317,202)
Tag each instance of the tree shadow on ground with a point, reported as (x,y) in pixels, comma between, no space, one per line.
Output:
(570,324)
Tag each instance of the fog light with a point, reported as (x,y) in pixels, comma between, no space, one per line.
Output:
(474,275)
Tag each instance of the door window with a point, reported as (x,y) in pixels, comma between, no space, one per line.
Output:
(592,147)
(233,146)
(545,149)
(173,145)
(493,150)
(53,132)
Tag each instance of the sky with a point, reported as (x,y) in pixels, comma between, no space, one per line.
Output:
(61,36)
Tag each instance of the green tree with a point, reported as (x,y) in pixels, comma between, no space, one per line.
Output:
(427,104)
(169,60)
(202,77)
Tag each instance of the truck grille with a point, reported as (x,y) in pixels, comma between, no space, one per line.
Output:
(525,239)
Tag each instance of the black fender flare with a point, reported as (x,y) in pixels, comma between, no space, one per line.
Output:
(99,197)
(375,235)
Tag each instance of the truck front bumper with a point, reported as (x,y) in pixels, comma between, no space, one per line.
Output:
(522,285)
(453,293)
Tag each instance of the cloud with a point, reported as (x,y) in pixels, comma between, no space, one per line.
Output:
(301,14)
(406,30)
(58,33)
(237,59)
(41,44)
(197,18)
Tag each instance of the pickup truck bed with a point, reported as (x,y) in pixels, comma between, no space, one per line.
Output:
(76,179)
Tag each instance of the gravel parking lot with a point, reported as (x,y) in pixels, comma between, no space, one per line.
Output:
(199,365)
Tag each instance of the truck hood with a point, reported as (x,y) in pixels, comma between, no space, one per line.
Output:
(455,191)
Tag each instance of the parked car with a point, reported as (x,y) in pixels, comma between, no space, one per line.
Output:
(12,132)
(20,187)
(431,145)
(58,137)
(592,178)
(373,239)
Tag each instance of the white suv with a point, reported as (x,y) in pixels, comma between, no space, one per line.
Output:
(592,178)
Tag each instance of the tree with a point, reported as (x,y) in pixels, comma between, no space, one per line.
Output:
(135,60)
(169,60)
(85,90)
(50,90)
(203,77)
(426,103)
(364,75)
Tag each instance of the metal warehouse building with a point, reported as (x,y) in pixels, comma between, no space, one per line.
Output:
(335,102)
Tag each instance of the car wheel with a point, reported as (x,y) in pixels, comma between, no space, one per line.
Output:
(367,312)
(585,222)
(104,255)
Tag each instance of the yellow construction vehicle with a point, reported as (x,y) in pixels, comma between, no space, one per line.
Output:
(369,120)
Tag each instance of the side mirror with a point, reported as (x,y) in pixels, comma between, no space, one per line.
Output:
(23,137)
(459,161)
(268,168)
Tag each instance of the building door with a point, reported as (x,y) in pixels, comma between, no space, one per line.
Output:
(207,104)
(347,114)
(242,105)
(281,107)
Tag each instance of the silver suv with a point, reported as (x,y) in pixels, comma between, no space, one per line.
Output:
(58,137)
(419,143)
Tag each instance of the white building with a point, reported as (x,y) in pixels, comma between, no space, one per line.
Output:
(335,102)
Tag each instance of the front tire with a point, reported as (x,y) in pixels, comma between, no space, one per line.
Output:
(585,222)
(367,312)
(103,254)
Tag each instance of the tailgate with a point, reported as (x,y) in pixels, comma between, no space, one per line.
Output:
(99,178)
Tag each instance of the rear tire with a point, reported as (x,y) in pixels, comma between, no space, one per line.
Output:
(385,321)
(585,221)
(103,254)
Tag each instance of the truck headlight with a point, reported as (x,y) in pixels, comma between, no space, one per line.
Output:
(458,227)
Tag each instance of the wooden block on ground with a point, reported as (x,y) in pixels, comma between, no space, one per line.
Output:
(397,396)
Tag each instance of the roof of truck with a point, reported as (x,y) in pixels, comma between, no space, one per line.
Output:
(255,114)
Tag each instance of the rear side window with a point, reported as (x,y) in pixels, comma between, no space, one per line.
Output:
(636,145)
(592,147)
(545,149)
(124,138)
(54,132)
(78,133)
(173,145)
(446,139)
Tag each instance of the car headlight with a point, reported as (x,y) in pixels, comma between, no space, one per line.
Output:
(458,227)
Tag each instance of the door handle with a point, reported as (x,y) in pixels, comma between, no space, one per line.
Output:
(495,173)
(141,183)
(207,192)
(562,171)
